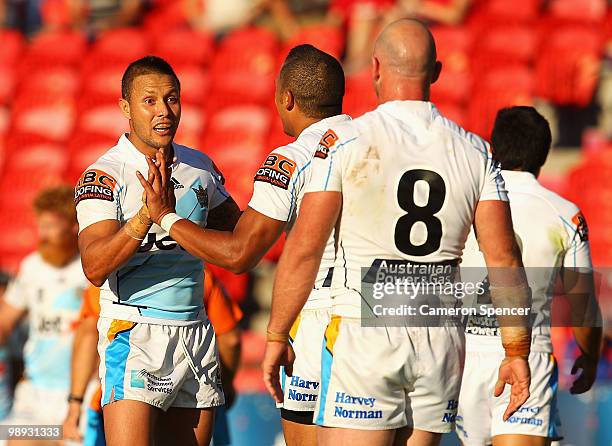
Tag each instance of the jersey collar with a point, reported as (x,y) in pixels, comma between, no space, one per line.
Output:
(138,156)
(326,123)
(400,109)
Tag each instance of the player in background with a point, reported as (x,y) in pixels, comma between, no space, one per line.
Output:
(554,243)
(309,92)
(157,348)
(224,315)
(395,185)
(47,290)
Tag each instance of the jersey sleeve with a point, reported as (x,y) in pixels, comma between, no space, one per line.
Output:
(326,166)
(276,186)
(221,194)
(95,196)
(578,253)
(494,187)
(17,293)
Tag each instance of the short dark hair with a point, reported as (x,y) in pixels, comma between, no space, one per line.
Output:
(521,139)
(145,65)
(316,80)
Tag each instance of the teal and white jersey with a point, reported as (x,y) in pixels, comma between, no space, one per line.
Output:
(162,283)
(52,297)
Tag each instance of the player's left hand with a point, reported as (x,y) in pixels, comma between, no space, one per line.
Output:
(160,197)
(514,370)
(277,354)
(583,383)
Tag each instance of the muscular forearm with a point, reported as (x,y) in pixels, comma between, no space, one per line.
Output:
(229,354)
(102,255)
(589,340)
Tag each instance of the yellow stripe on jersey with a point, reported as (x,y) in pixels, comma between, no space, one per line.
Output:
(331,333)
(117,326)
(294,328)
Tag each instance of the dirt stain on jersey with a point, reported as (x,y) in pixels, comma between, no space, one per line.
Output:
(366,168)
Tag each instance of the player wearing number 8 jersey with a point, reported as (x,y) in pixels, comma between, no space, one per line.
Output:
(401,183)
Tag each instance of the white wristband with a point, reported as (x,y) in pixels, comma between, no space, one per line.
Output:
(168,220)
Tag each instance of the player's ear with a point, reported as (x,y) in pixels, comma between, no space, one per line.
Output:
(289,100)
(375,70)
(436,71)
(124,105)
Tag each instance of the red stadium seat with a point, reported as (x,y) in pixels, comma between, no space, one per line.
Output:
(324,37)
(118,46)
(590,11)
(195,83)
(505,11)
(360,97)
(568,67)
(50,115)
(54,48)
(193,122)
(499,88)
(12,44)
(185,47)
(454,112)
(85,148)
(503,45)
(454,44)
(103,83)
(29,153)
(8,79)
(105,119)
(243,69)
(246,119)
(17,191)
(277,136)
(51,80)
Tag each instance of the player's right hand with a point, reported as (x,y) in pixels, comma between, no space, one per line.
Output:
(277,354)
(514,370)
(71,423)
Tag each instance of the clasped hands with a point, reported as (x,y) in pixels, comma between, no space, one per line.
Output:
(158,198)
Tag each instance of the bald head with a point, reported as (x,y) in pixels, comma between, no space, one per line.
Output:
(405,54)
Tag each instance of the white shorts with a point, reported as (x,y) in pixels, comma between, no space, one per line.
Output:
(480,414)
(378,378)
(37,405)
(306,337)
(161,365)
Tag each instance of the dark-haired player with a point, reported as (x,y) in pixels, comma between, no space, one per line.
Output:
(157,347)
(309,92)
(554,243)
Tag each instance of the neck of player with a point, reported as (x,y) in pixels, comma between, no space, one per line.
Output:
(147,150)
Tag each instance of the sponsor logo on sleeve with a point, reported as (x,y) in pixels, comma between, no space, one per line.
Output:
(95,184)
(325,144)
(276,170)
(581,226)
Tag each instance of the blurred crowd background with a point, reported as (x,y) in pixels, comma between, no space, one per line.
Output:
(61,63)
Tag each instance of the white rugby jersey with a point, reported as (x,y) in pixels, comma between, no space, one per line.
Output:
(279,188)
(410,181)
(161,283)
(552,234)
(52,296)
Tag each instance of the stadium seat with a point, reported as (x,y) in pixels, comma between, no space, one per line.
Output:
(118,46)
(13,45)
(84,148)
(18,190)
(185,47)
(102,83)
(585,11)
(454,112)
(193,122)
(276,135)
(567,68)
(503,45)
(324,37)
(48,115)
(501,87)
(360,97)
(195,83)
(8,78)
(106,119)
(32,153)
(51,80)
(454,44)
(492,12)
(54,48)
(243,69)
(250,119)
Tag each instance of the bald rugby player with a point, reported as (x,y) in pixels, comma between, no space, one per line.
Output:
(401,185)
